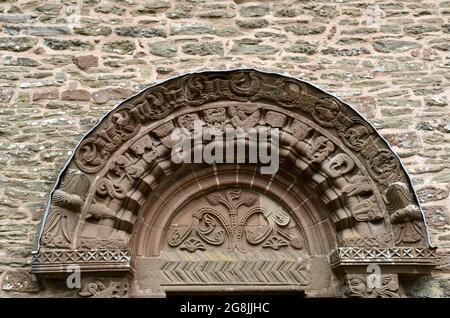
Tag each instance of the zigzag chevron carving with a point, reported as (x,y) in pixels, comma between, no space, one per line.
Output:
(221,268)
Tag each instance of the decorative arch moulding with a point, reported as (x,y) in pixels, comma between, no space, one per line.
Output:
(340,193)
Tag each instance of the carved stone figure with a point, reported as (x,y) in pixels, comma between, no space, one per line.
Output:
(384,166)
(324,110)
(301,130)
(187,121)
(194,90)
(141,145)
(356,136)
(215,117)
(163,133)
(361,200)
(275,119)
(404,213)
(155,104)
(244,117)
(320,148)
(339,165)
(66,206)
(288,92)
(245,84)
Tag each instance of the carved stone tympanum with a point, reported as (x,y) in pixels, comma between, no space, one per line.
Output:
(234,219)
(338,200)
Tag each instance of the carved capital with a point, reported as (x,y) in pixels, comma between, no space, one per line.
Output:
(371,286)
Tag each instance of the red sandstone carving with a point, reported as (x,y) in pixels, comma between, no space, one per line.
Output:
(339,188)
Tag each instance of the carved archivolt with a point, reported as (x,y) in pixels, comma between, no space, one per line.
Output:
(334,157)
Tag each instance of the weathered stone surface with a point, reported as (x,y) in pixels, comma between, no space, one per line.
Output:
(363,30)
(432,193)
(439,101)
(389,46)
(437,216)
(427,287)
(163,48)
(404,140)
(146,32)
(419,29)
(72,45)
(154,6)
(304,47)
(93,30)
(6,95)
(252,23)
(255,10)
(21,281)
(346,52)
(191,28)
(85,62)
(105,95)
(288,12)
(21,61)
(442,47)
(326,11)
(107,8)
(47,31)
(50,8)
(217,14)
(119,47)
(252,47)
(305,29)
(47,94)
(76,95)
(14,18)
(366,105)
(17,44)
(350,41)
(203,49)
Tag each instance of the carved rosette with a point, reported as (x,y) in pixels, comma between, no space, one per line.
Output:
(65,209)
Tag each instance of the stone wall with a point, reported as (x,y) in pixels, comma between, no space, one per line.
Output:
(66,63)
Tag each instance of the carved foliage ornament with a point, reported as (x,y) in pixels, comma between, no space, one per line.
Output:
(115,287)
(215,228)
(363,286)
